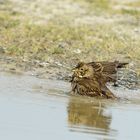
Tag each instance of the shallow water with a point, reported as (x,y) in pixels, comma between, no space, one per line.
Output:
(32,109)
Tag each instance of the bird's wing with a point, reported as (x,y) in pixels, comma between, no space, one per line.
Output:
(107,92)
(109,70)
(89,87)
(109,67)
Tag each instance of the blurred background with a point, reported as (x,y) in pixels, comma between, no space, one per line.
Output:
(67,31)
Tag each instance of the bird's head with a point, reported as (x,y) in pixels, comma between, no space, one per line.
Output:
(83,70)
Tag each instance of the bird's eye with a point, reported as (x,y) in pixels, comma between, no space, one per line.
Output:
(81,69)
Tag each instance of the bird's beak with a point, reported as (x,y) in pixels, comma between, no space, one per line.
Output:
(73,70)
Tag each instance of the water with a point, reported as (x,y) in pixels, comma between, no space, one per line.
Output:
(39,109)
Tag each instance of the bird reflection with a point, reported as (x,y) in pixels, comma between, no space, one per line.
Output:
(89,114)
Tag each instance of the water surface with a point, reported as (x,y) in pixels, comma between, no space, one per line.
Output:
(40,109)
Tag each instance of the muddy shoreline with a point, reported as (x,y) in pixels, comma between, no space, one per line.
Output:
(55,36)
(58,70)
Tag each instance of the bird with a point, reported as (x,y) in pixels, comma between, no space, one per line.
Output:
(89,79)
(109,69)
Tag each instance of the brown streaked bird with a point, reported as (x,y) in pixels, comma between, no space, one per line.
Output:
(90,79)
(109,69)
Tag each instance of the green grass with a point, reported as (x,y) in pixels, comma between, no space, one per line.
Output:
(134,4)
(133,12)
(98,4)
(6,21)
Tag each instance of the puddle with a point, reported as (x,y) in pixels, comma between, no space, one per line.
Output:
(33,108)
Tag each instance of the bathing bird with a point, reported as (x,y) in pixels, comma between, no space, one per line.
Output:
(89,79)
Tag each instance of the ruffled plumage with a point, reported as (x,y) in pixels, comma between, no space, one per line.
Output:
(90,79)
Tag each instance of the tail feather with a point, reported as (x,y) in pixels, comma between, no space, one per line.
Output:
(122,65)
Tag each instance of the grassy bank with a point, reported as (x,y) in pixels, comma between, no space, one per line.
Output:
(69,30)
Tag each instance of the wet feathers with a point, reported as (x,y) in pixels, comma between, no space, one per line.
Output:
(90,79)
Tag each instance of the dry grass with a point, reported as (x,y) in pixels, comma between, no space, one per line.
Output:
(82,29)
